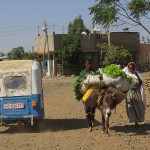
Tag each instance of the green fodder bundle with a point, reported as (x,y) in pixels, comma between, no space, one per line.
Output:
(77,84)
(115,77)
(115,71)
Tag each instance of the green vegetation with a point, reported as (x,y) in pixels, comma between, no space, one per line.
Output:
(70,49)
(77,84)
(19,53)
(111,54)
(2,54)
(77,26)
(109,12)
(115,71)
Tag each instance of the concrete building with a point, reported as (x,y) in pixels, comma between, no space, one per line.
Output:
(89,49)
(54,40)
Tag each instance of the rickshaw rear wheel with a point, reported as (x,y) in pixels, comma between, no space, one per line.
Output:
(39,125)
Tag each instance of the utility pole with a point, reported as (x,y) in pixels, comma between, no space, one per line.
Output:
(46,41)
(53,27)
(63,29)
(38,30)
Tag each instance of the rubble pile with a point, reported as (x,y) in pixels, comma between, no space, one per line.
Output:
(147,83)
(147,87)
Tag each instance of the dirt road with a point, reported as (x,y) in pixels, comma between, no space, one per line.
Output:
(66,127)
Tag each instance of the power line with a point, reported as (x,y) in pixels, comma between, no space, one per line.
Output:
(16,33)
(6,31)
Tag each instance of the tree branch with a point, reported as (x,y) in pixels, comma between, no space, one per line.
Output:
(127,17)
(147,17)
(128,23)
(144,27)
(123,9)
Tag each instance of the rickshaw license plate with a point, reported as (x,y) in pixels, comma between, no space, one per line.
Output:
(14,106)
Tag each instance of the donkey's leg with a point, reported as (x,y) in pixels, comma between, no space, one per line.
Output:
(92,115)
(103,120)
(108,113)
(88,118)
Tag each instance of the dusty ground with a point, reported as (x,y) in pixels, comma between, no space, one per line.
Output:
(66,127)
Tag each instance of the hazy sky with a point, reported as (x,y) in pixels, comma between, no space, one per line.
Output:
(19,19)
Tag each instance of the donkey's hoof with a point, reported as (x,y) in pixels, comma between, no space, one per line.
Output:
(103,129)
(108,135)
(92,122)
(89,129)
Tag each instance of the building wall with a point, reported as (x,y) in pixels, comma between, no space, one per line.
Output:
(129,40)
(89,42)
(89,49)
(40,42)
(144,54)
(57,41)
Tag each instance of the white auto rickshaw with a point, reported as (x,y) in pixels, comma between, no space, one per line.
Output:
(21,94)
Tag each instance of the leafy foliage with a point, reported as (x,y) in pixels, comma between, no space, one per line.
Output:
(16,53)
(2,54)
(107,12)
(78,81)
(115,71)
(113,54)
(69,53)
(31,56)
(77,26)
(77,84)
(19,53)
(139,8)
(104,13)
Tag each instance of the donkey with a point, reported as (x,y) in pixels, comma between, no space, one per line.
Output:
(108,100)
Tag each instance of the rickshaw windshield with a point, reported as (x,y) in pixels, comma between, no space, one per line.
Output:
(15,82)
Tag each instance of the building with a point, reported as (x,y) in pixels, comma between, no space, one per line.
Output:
(54,40)
(144,54)
(89,49)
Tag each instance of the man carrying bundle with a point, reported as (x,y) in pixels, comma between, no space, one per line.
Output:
(90,103)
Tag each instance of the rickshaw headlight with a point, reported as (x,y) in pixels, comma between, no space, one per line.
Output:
(34,104)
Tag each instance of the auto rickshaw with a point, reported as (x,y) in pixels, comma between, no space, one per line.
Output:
(21,94)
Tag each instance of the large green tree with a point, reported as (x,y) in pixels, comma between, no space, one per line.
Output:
(77,26)
(31,56)
(19,53)
(111,54)
(70,50)
(107,12)
(2,54)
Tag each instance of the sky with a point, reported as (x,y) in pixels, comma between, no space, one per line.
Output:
(22,20)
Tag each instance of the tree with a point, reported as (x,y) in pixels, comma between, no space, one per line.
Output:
(111,54)
(70,50)
(19,53)
(16,53)
(2,54)
(31,56)
(107,12)
(77,26)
